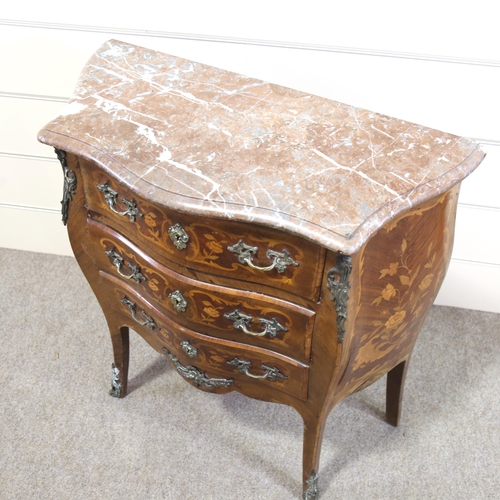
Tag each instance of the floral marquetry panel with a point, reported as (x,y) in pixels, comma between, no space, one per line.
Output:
(402,268)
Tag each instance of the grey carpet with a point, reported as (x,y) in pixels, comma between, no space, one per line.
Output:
(62,436)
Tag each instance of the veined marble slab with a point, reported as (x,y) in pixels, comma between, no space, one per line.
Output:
(207,141)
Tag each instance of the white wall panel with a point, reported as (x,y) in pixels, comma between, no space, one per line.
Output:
(33,230)
(447,27)
(471,285)
(482,187)
(477,234)
(31,182)
(20,122)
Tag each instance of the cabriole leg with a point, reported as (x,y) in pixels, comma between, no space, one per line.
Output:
(119,371)
(313,435)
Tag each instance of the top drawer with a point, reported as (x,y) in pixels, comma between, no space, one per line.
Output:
(232,249)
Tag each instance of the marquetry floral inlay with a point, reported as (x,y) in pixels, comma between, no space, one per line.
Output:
(153,284)
(212,244)
(209,310)
(403,288)
(149,219)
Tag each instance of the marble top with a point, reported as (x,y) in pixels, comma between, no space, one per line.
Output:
(207,141)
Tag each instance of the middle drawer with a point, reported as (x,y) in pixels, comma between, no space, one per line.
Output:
(219,311)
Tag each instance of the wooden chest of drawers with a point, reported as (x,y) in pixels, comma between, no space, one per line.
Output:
(264,240)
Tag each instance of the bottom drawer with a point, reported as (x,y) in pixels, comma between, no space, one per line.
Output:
(205,361)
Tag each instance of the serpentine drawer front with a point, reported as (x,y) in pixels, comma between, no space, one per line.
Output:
(255,254)
(216,357)
(231,314)
(262,239)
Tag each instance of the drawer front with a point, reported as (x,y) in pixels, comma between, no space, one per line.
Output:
(222,312)
(231,249)
(198,357)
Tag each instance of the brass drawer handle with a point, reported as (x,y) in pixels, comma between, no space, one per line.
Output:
(280,260)
(118,262)
(244,366)
(271,326)
(178,301)
(199,378)
(178,236)
(149,321)
(110,197)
